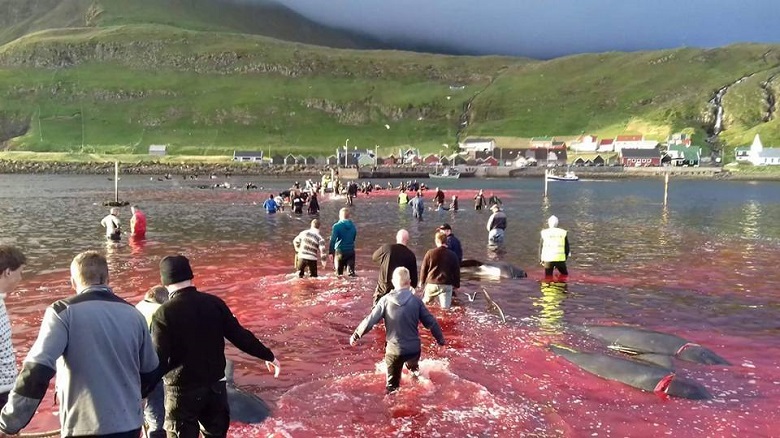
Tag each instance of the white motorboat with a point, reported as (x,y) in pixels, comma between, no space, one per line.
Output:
(568,176)
(446,173)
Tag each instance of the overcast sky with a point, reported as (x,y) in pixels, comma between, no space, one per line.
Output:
(549,28)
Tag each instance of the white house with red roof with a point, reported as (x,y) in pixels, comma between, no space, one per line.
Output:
(633,142)
(606,145)
(585,143)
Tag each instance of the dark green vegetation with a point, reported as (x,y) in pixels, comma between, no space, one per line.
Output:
(117,76)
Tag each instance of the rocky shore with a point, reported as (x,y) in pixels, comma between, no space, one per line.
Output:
(157,168)
(412,172)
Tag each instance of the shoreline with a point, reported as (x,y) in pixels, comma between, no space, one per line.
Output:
(157,168)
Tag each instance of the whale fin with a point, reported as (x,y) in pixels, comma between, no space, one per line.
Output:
(493,306)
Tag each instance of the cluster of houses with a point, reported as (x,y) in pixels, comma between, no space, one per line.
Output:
(585,150)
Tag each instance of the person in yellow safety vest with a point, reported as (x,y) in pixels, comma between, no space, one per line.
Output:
(554,248)
(403,198)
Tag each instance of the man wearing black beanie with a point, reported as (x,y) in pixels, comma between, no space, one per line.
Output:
(189,333)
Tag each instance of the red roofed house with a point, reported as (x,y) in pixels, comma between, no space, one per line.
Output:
(633,142)
(431,159)
(489,161)
(607,145)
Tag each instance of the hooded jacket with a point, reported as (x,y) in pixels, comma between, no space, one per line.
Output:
(342,236)
(402,312)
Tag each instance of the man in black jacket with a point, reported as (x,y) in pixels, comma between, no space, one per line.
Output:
(189,333)
(391,256)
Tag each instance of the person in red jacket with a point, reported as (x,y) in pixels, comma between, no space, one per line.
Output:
(137,223)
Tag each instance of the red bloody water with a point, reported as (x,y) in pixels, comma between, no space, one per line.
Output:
(709,277)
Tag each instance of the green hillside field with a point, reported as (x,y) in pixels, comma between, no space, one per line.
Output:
(120,86)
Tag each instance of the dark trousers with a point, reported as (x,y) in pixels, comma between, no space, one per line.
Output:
(311,265)
(345,258)
(129,434)
(197,410)
(395,363)
(549,266)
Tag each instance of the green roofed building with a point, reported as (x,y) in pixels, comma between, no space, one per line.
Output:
(681,155)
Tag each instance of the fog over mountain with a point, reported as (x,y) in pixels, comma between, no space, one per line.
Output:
(550,28)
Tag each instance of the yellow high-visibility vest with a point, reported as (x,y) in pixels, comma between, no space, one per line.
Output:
(553,245)
(403,198)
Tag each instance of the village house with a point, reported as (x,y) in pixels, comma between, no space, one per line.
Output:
(472,145)
(410,156)
(682,155)
(457,160)
(633,142)
(759,156)
(640,157)
(431,160)
(160,149)
(542,142)
(679,139)
(248,156)
(606,145)
(507,156)
(489,161)
(593,159)
(585,143)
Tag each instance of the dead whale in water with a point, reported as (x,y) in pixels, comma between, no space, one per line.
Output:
(477,269)
(245,407)
(645,376)
(648,343)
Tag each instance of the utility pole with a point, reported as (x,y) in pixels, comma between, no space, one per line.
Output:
(346,150)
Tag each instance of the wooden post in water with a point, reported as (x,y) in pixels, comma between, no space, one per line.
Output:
(545,182)
(116,181)
(666,187)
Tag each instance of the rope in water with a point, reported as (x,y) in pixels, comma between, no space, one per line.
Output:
(40,434)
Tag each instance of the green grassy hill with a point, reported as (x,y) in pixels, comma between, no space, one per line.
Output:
(209,86)
(258,17)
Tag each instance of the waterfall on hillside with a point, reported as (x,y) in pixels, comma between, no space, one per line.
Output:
(717,102)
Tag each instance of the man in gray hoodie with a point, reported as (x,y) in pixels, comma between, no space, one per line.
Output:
(402,312)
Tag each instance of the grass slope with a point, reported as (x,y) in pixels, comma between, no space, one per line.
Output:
(266,18)
(120,88)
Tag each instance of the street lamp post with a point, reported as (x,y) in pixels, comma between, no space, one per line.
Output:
(376,155)
(346,150)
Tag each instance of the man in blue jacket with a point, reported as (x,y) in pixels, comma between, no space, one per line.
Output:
(402,312)
(270,205)
(342,243)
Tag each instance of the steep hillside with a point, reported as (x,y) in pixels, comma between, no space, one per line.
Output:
(20,17)
(652,93)
(259,18)
(120,88)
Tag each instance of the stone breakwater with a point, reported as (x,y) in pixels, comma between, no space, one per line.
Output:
(155,168)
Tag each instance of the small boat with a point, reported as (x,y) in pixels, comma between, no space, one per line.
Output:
(446,173)
(568,176)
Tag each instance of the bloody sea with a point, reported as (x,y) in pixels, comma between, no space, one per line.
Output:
(704,267)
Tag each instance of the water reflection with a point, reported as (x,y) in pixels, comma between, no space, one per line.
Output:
(749,225)
(549,303)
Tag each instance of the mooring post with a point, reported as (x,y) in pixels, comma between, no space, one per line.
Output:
(116,181)
(666,187)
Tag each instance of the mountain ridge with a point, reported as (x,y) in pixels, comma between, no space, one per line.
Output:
(123,84)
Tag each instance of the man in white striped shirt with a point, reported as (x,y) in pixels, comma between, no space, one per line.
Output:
(310,246)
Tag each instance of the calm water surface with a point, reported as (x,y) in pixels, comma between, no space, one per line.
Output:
(703,267)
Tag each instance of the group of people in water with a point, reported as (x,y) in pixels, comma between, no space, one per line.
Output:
(115,355)
(109,356)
